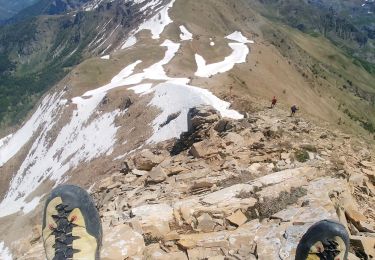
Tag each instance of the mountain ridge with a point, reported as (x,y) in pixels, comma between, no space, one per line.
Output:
(135,87)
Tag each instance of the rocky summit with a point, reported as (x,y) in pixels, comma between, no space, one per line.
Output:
(234,189)
(160,109)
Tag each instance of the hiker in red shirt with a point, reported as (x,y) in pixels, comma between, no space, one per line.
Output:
(274,101)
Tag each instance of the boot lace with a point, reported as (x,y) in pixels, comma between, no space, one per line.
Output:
(63,233)
(330,250)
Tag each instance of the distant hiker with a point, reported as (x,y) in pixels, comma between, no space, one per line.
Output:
(273,102)
(294,110)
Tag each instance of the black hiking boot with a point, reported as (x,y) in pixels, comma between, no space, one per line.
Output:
(71,225)
(325,240)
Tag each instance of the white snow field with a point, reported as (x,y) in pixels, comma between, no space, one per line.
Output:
(42,115)
(239,54)
(80,140)
(155,24)
(129,42)
(185,34)
(238,37)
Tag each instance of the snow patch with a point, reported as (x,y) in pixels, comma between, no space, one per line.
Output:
(129,42)
(155,24)
(156,71)
(158,22)
(238,37)
(43,115)
(142,89)
(4,252)
(151,4)
(31,205)
(185,34)
(239,54)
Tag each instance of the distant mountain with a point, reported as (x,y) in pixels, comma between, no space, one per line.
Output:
(349,24)
(9,8)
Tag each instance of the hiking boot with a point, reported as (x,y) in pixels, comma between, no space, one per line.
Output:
(71,225)
(326,239)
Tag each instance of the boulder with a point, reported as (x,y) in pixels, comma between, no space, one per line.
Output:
(205,223)
(139,173)
(121,242)
(251,138)
(206,240)
(105,183)
(268,240)
(223,125)
(358,179)
(156,175)
(359,220)
(204,253)
(173,235)
(187,243)
(227,194)
(365,244)
(237,218)
(235,139)
(198,116)
(203,149)
(186,208)
(154,219)
(285,156)
(146,160)
(174,170)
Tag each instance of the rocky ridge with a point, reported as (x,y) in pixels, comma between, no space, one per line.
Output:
(235,189)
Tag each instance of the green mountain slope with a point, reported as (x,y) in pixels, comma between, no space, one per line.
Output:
(348,24)
(38,52)
(329,45)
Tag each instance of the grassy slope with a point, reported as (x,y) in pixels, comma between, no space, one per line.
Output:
(347,83)
(338,70)
(42,51)
(343,26)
